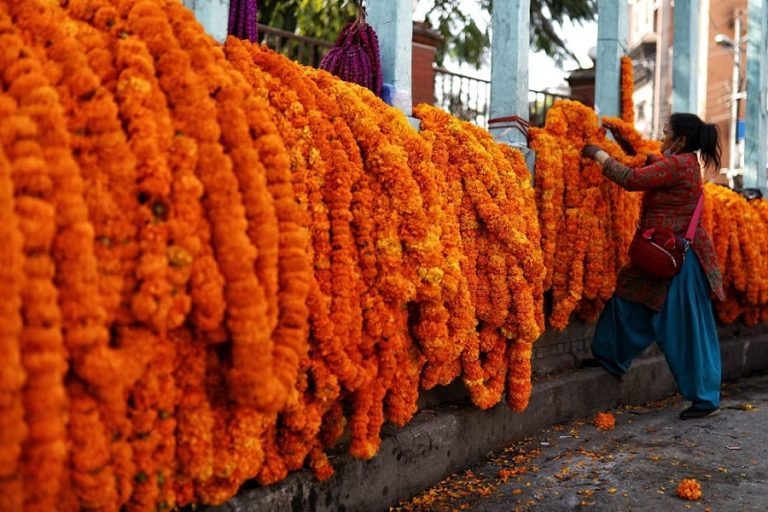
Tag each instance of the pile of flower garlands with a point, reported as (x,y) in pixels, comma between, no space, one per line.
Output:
(738,228)
(216,261)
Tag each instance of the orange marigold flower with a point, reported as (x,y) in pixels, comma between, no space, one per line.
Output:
(689,489)
(605,421)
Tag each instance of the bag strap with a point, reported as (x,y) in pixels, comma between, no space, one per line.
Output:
(691,233)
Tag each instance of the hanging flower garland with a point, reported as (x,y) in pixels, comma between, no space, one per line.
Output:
(42,424)
(304,411)
(262,226)
(12,374)
(335,186)
(741,252)
(627,90)
(525,277)
(436,279)
(153,292)
(383,342)
(521,206)
(549,187)
(143,110)
(462,320)
(292,124)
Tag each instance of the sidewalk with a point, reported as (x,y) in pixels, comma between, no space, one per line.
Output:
(635,467)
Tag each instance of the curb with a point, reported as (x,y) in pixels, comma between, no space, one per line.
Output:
(449,438)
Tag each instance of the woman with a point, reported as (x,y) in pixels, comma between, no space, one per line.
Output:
(677,312)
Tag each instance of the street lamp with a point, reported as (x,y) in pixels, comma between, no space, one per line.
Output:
(725,41)
(735,47)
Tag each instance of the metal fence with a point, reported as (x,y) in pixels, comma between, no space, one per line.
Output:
(465,97)
(305,50)
(469,98)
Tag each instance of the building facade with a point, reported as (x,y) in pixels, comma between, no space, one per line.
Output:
(650,39)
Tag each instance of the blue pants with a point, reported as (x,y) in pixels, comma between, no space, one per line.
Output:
(684,329)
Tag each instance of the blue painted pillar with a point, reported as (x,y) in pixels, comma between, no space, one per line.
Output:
(756,129)
(510,41)
(213,15)
(612,27)
(393,22)
(685,57)
(511,24)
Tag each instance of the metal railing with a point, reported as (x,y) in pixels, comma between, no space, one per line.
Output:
(539,103)
(305,50)
(468,98)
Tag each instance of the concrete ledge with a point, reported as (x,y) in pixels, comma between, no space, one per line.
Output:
(451,437)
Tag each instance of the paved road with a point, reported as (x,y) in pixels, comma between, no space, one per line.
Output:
(634,467)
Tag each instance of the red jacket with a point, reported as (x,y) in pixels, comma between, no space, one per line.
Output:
(671,188)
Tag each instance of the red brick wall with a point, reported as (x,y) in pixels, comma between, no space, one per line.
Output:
(720,68)
(423,84)
(425,43)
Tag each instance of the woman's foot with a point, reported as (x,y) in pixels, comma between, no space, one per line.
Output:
(696,413)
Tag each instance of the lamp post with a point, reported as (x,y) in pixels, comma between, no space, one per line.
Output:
(735,46)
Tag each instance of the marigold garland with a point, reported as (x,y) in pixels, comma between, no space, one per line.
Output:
(294,130)
(740,244)
(549,193)
(12,373)
(627,90)
(42,184)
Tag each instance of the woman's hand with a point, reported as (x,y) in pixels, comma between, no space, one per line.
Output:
(621,141)
(591,150)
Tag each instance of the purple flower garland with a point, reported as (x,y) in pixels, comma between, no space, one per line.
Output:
(243,19)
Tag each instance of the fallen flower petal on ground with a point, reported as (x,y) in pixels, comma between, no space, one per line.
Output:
(689,489)
(605,421)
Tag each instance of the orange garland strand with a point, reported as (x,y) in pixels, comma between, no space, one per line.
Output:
(12,373)
(627,90)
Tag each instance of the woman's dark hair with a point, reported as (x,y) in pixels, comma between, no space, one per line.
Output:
(699,136)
